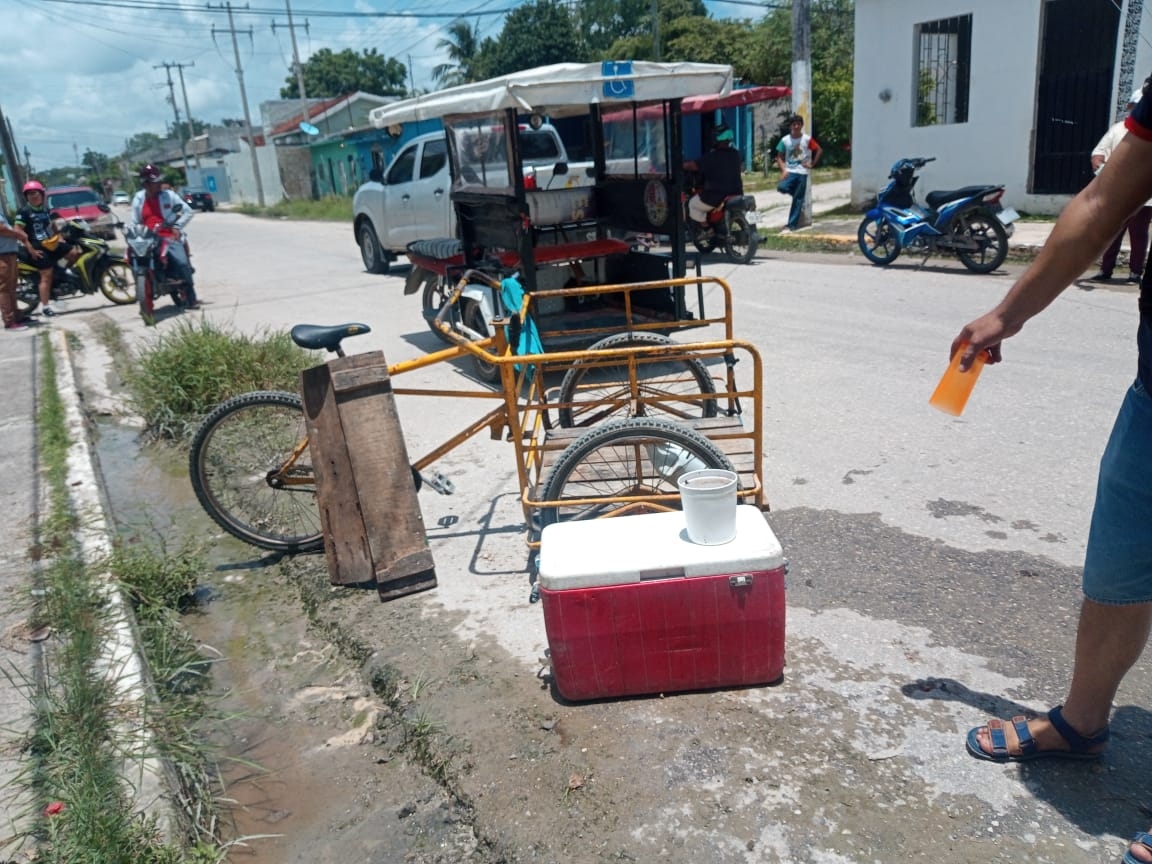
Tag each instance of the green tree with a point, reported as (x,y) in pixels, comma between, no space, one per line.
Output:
(463,47)
(140,142)
(198,128)
(632,28)
(328,74)
(538,33)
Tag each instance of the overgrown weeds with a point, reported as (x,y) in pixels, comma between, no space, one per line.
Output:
(189,370)
(86,731)
(330,208)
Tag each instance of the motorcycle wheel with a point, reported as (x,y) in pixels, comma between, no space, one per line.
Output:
(742,240)
(989,235)
(116,283)
(489,373)
(144,299)
(27,294)
(878,241)
(703,246)
(435,293)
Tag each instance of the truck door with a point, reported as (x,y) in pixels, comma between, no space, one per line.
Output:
(396,229)
(430,187)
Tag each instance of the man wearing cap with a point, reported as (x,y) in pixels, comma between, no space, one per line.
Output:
(796,155)
(1137,226)
(722,168)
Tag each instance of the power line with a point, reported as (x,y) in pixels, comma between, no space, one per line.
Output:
(152,6)
(243,99)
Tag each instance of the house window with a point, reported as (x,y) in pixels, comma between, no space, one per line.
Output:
(943,66)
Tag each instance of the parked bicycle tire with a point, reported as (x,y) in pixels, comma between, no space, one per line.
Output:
(605,388)
(639,456)
(235,464)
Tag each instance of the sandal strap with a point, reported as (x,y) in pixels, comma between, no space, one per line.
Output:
(1027,742)
(1076,742)
(996,734)
(1143,838)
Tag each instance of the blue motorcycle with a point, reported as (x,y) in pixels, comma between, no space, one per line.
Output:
(969,223)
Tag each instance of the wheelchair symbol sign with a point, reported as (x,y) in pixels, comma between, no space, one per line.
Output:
(619,86)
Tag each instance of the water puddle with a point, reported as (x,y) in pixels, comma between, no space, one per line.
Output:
(291,752)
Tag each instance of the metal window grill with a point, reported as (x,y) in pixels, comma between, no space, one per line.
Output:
(943,67)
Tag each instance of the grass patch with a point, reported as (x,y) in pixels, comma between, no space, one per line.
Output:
(330,208)
(82,809)
(189,370)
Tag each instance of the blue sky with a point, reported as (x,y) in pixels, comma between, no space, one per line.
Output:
(81,75)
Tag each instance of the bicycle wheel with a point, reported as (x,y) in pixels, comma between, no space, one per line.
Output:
(252,472)
(622,463)
(600,390)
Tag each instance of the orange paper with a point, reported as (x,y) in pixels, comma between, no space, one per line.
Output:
(955,387)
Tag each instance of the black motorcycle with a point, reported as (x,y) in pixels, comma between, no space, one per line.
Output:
(97,269)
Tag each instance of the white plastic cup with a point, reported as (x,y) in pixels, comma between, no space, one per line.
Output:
(708,497)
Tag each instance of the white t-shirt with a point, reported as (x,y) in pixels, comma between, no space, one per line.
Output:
(1109,142)
(797,153)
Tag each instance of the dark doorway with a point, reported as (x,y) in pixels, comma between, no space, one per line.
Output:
(1074,98)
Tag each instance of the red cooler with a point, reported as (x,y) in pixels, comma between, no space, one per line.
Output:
(632,606)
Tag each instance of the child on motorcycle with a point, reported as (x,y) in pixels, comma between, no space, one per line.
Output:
(47,245)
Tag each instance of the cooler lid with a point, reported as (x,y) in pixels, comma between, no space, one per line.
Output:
(626,549)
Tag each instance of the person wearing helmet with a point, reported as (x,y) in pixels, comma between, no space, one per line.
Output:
(155,208)
(796,155)
(47,245)
(722,169)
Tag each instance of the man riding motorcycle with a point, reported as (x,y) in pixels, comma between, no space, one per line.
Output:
(153,208)
(722,169)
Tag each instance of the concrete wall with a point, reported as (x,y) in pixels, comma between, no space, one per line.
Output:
(242,182)
(995,145)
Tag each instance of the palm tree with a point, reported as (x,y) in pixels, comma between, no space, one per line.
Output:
(463,46)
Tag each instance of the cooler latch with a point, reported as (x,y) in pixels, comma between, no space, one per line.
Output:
(740,580)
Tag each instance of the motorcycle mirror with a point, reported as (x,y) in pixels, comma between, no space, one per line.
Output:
(376,175)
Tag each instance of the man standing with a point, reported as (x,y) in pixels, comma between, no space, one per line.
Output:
(796,155)
(1137,226)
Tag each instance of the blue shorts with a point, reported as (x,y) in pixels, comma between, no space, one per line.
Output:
(1118,564)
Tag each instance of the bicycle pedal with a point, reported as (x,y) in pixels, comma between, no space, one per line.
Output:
(439,482)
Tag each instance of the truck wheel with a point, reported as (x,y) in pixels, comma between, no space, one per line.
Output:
(370,252)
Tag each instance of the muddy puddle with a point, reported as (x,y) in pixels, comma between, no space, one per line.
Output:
(296,722)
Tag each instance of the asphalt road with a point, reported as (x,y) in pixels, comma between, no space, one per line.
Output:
(934,560)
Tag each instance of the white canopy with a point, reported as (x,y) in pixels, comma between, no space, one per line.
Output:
(564,88)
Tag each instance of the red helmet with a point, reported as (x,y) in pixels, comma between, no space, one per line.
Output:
(149,173)
(33,186)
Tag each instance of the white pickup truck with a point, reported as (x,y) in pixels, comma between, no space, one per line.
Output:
(411,199)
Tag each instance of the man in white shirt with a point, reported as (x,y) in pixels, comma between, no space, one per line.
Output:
(1137,226)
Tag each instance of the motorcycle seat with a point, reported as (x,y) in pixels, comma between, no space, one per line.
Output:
(740,202)
(942,196)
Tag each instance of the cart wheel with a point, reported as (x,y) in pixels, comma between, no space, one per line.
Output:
(239,458)
(623,463)
(489,373)
(599,390)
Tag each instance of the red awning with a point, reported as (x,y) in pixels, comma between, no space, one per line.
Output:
(747,96)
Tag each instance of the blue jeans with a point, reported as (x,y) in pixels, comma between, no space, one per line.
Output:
(795,185)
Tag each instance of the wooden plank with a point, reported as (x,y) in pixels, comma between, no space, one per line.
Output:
(373,527)
(345,536)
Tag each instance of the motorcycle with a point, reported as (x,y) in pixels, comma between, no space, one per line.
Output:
(969,223)
(731,224)
(97,269)
(155,272)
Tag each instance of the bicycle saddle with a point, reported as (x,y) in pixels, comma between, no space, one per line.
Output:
(315,336)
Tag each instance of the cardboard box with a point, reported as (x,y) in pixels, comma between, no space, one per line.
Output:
(631,606)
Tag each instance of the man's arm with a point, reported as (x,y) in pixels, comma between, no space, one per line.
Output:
(780,163)
(1085,227)
(817,152)
(7,230)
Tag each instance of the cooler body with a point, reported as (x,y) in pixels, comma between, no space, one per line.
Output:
(632,607)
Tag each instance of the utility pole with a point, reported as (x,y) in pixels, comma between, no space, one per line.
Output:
(187,114)
(176,111)
(296,65)
(802,81)
(655,7)
(27,160)
(244,100)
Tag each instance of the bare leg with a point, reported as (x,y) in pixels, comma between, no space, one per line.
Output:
(46,286)
(1109,640)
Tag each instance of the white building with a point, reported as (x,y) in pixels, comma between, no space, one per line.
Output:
(999,91)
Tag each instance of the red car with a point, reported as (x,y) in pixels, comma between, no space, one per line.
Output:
(82,201)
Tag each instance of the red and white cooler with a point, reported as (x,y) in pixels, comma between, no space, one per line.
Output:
(632,606)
